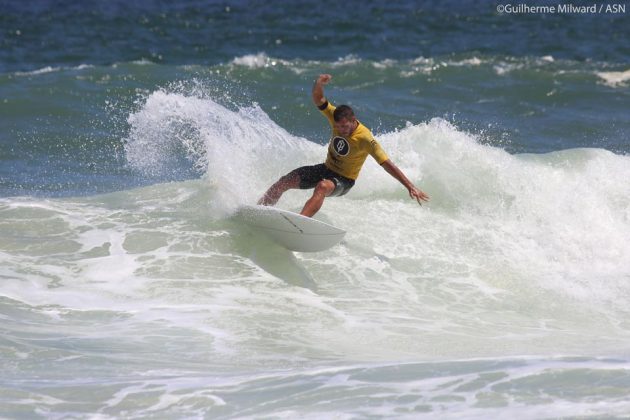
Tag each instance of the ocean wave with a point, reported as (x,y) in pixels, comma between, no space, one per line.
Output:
(406,68)
(428,66)
(49,69)
(260,60)
(226,146)
(499,195)
(515,255)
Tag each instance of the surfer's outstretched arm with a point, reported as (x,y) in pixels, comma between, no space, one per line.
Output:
(394,171)
(318,89)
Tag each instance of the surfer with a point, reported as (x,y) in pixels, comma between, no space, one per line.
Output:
(349,146)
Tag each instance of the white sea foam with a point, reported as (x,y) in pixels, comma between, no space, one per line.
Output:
(43,70)
(418,65)
(253,60)
(50,69)
(502,232)
(260,60)
(499,226)
(614,78)
(232,148)
(478,389)
(347,60)
(427,66)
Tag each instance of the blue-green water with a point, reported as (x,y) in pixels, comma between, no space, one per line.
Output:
(129,134)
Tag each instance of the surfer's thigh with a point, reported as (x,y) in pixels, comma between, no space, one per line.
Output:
(310,176)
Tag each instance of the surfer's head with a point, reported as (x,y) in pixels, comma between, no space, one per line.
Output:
(345,121)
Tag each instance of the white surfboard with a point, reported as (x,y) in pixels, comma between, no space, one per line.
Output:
(291,230)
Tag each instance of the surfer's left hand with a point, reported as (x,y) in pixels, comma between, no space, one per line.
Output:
(418,195)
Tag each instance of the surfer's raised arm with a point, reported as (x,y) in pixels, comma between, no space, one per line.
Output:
(318,89)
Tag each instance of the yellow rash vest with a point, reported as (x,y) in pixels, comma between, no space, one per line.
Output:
(347,155)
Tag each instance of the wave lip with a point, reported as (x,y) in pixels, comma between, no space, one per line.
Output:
(240,150)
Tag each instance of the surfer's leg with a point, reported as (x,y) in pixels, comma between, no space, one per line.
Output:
(322,190)
(273,194)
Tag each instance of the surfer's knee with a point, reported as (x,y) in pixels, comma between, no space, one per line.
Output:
(324,187)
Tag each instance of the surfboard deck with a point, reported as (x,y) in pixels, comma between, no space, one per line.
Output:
(291,230)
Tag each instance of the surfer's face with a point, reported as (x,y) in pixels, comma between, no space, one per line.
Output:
(346,126)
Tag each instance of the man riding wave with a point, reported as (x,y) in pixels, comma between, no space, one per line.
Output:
(349,146)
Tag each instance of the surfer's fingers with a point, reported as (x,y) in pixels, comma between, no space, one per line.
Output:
(418,195)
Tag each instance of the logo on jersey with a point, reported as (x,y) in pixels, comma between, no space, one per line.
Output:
(340,146)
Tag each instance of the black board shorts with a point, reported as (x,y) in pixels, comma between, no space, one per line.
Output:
(311,175)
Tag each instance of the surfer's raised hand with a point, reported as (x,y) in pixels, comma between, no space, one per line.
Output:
(418,194)
(324,78)
(318,89)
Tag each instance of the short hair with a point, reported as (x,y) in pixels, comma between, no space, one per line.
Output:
(343,111)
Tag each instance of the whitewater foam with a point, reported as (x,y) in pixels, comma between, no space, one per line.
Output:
(50,69)
(503,261)
(232,149)
(498,259)
(520,206)
(255,61)
(614,78)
